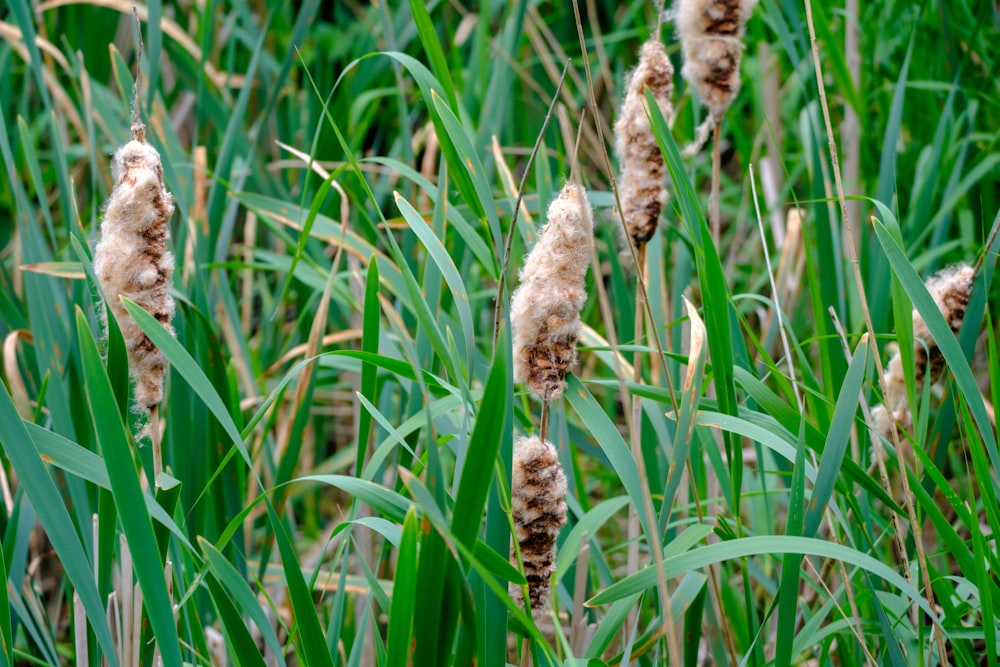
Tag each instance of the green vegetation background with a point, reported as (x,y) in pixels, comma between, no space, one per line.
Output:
(339,415)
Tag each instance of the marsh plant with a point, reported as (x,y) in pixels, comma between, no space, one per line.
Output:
(267,399)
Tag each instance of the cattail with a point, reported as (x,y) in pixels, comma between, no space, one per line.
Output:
(950,289)
(538,489)
(641,190)
(545,308)
(132,259)
(711,35)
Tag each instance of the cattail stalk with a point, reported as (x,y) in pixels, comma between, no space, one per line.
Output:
(711,34)
(132,260)
(545,318)
(642,195)
(538,491)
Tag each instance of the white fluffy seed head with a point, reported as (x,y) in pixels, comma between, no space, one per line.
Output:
(538,492)
(132,260)
(950,289)
(711,34)
(641,188)
(545,308)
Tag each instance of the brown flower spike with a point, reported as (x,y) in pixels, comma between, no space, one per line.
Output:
(950,289)
(711,35)
(545,308)
(538,490)
(642,193)
(132,259)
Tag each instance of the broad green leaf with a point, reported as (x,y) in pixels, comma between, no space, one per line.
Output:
(45,497)
(401,610)
(124,477)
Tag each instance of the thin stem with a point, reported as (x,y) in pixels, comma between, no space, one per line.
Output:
(502,282)
(714,214)
(635,439)
(908,501)
(655,544)
(154,435)
(138,129)
(543,427)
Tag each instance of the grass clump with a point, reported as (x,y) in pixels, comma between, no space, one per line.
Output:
(337,476)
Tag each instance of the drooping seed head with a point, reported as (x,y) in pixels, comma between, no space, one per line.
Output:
(950,289)
(711,34)
(545,308)
(641,188)
(538,491)
(132,260)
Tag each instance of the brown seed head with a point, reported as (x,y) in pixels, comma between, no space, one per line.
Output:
(132,259)
(538,490)
(641,189)
(711,34)
(545,308)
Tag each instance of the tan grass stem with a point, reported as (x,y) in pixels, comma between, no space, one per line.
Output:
(908,499)
(673,642)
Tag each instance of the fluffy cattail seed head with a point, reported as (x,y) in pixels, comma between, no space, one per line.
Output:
(538,490)
(132,259)
(711,35)
(641,190)
(950,289)
(545,308)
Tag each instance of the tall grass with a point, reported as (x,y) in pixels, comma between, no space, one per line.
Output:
(338,419)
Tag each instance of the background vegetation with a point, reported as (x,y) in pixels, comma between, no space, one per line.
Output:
(339,415)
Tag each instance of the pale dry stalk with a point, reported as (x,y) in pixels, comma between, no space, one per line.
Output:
(852,247)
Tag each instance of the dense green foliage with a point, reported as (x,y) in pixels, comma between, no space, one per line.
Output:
(340,410)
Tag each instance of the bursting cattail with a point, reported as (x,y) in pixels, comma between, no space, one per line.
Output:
(641,189)
(711,35)
(132,259)
(545,308)
(538,490)
(950,289)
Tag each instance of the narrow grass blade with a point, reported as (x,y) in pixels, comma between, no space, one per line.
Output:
(791,563)
(483,447)
(442,259)
(136,523)
(239,639)
(716,301)
(589,524)
(236,588)
(45,497)
(369,373)
(404,591)
(377,497)
(85,464)
(762,545)
(309,632)
(838,438)
(611,442)
(432,46)
(690,396)
(6,635)
(189,369)
(941,331)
